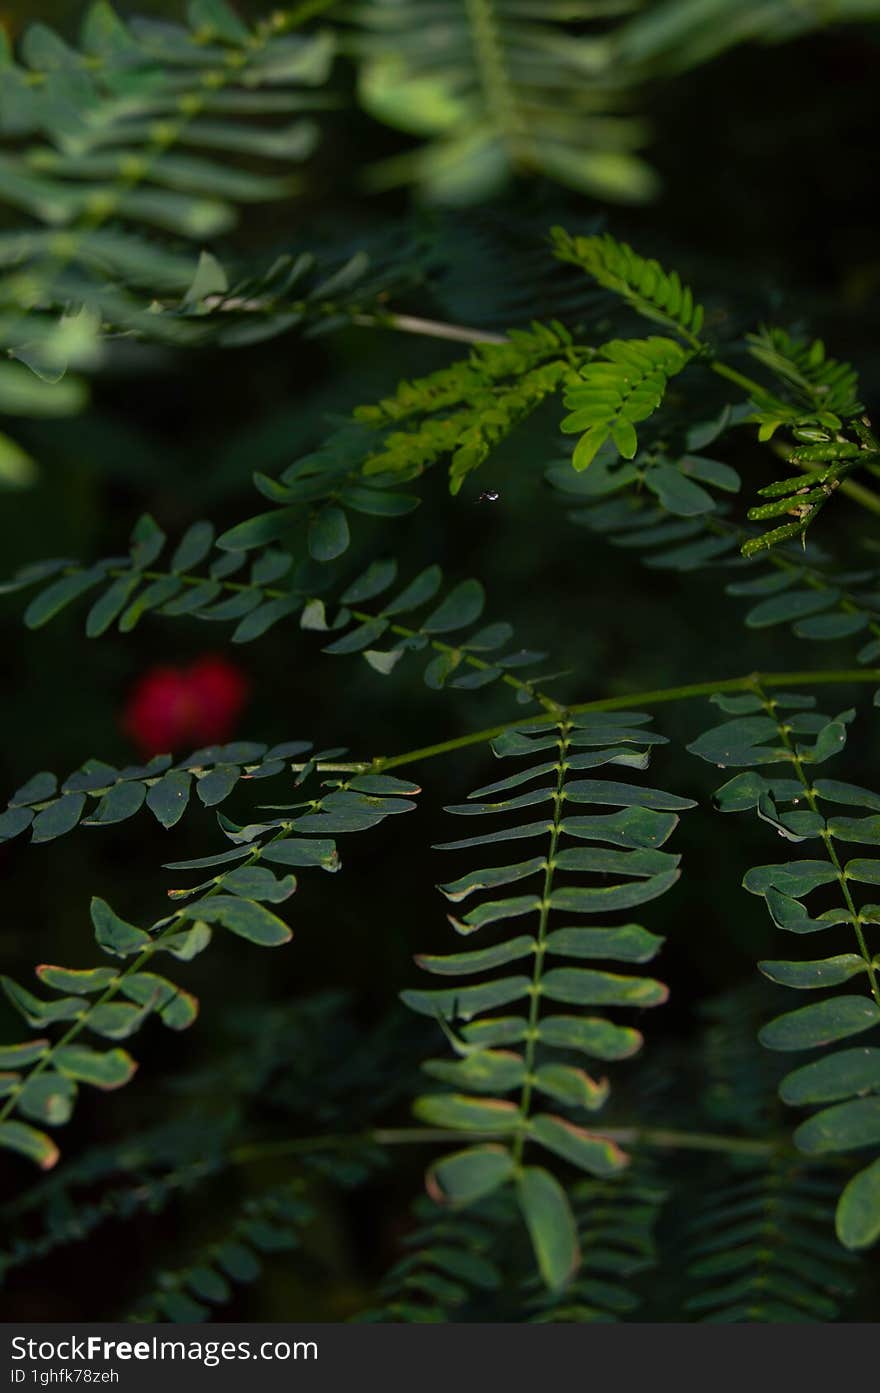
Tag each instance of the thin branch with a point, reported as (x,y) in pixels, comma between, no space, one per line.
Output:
(632,701)
(659,1138)
(428,328)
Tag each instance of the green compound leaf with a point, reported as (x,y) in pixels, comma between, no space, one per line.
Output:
(621,386)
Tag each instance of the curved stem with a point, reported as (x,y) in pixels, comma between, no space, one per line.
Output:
(656,697)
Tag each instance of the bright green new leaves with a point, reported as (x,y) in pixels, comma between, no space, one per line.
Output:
(657,294)
(518,1054)
(821,389)
(844,1083)
(819,406)
(620,387)
(465,411)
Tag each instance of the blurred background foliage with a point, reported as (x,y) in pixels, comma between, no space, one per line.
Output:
(745,155)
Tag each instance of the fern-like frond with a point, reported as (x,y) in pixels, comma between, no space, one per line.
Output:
(233,305)
(269,1223)
(643,284)
(294,1063)
(760,1250)
(465,410)
(40,1078)
(628,847)
(669,36)
(828,458)
(94,159)
(162,786)
(449,1264)
(497,87)
(132,586)
(820,382)
(619,388)
(149,1171)
(785,730)
(682,527)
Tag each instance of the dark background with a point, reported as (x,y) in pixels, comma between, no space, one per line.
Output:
(769,171)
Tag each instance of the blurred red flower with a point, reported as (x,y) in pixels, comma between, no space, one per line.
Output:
(175,708)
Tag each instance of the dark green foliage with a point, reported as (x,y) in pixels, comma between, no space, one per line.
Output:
(733,1172)
(785,729)
(625,843)
(447,1264)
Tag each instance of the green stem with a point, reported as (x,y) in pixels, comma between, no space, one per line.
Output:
(662,1139)
(540,944)
(428,328)
(497,89)
(632,701)
(748,384)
